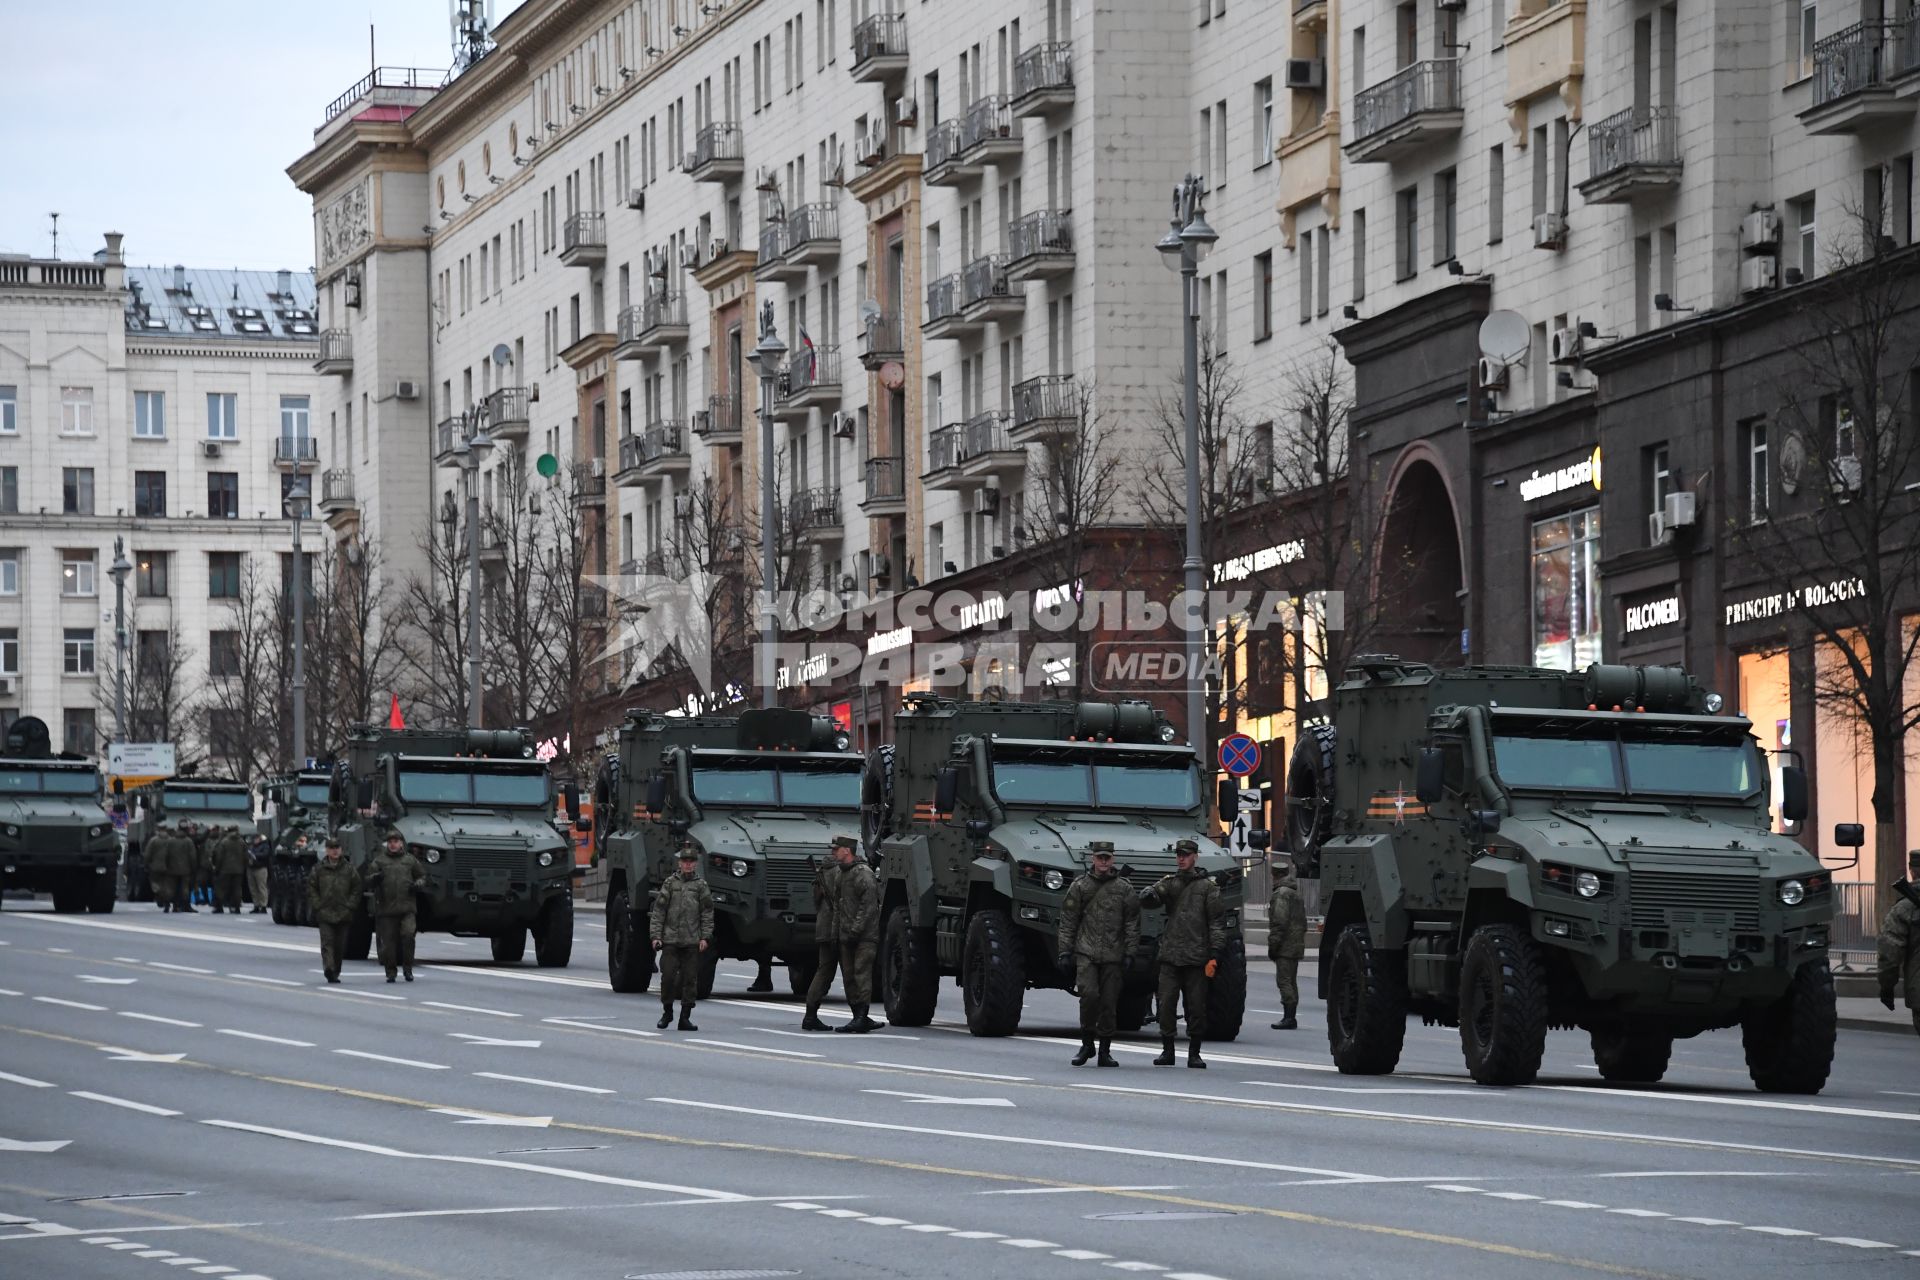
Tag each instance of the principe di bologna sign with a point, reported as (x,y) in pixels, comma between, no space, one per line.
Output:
(1813,595)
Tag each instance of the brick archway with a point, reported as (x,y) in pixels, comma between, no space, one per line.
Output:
(1419,581)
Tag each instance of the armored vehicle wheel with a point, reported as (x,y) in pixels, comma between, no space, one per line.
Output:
(909,981)
(709,970)
(69,896)
(1790,1044)
(510,945)
(629,958)
(359,937)
(1227,993)
(276,900)
(876,798)
(1366,1007)
(1131,1013)
(1627,1057)
(1503,1006)
(1310,795)
(100,895)
(800,971)
(993,975)
(553,934)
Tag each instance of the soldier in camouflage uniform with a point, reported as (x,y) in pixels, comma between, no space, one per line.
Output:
(1900,942)
(681,924)
(827,943)
(1190,945)
(229,854)
(179,864)
(334,890)
(159,855)
(1099,929)
(392,881)
(1286,938)
(856,911)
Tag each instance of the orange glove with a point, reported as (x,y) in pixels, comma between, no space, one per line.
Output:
(1213,967)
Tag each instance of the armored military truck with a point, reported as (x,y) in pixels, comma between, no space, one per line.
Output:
(1507,850)
(55,837)
(473,806)
(978,817)
(293,804)
(761,796)
(204,802)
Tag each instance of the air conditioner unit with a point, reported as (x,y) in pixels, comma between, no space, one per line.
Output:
(1450,6)
(870,148)
(718,248)
(1845,474)
(1492,373)
(597,468)
(1563,346)
(702,423)
(406,390)
(6,688)
(1679,510)
(682,506)
(1758,274)
(636,199)
(842,426)
(689,257)
(1657,531)
(1760,229)
(986,501)
(211,448)
(905,111)
(1550,231)
(1306,73)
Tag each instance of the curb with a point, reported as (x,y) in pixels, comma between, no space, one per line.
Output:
(1875,1024)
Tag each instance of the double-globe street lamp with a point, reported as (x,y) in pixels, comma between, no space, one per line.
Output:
(765,359)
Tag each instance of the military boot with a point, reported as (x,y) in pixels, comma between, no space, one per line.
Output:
(762,981)
(1287,1022)
(686,1018)
(1106,1058)
(1166,1052)
(863,1024)
(812,1022)
(1081,1058)
(666,1015)
(1193,1054)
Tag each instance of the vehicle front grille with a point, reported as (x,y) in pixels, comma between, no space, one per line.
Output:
(468,861)
(787,877)
(1663,898)
(53,839)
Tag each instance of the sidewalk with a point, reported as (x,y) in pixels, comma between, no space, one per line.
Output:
(1865,1013)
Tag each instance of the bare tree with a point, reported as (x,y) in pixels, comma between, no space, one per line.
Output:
(245,709)
(355,654)
(575,609)
(161,700)
(516,630)
(432,615)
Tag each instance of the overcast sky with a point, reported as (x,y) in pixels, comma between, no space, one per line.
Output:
(174,123)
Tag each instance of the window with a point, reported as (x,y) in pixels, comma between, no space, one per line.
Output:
(1263,123)
(1496,195)
(1220,145)
(221,420)
(76,573)
(1755,475)
(295,420)
(81,736)
(223,653)
(150,573)
(1566,590)
(9,410)
(77,658)
(1801,15)
(150,415)
(150,493)
(1446,207)
(9,651)
(76,491)
(1359,237)
(223,575)
(10,572)
(76,411)
(1800,249)
(1540,188)
(1657,475)
(1407,232)
(1263,296)
(9,491)
(223,495)
(1323,275)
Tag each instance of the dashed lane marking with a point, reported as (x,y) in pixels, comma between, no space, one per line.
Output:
(127,1103)
(1781,1231)
(945,1071)
(1080,1255)
(1855,1242)
(278,982)
(398,1062)
(467,1008)
(551,1084)
(755,1048)
(72,1004)
(266,1039)
(178,968)
(154,1017)
(28,1081)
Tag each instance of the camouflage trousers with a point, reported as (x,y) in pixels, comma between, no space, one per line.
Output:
(229,886)
(1098,982)
(333,945)
(1286,977)
(395,935)
(162,885)
(679,974)
(856,972)
(827,964)
(1180,982)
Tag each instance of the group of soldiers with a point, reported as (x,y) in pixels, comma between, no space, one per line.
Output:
(336,888)
(187,860)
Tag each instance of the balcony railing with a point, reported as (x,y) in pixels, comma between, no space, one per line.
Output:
(583,238)
(985,279)
(718,146)
(590,480)
(1050,400)
(946,447)
(812,228)
(385,78)
(882,340)
(817,510)
(1039,244)
(986,434)
(880,45)
(336,352)
(945,142)
(506,409)
(662,311)
(336,488)
(810,370)
(886,479)
(1865,56)
(723,415)
(1639,137)
(296,451)
(943,300)
(773,242)
(662,440)
(1043,79)
(989,125)
(1430,86)
(449,438)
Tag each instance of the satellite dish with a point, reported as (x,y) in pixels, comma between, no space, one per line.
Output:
(1505,336)
(869,312)
(503,354)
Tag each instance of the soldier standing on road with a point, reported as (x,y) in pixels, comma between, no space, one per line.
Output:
(856,917)
(159,855)
(826,939)
(1286,938)
(201,872)
(334,889)
(257,864)
(392,881)
(1190,945)
(1099,929)
(681,923)
(230,865)
(1900,941)
(180,869)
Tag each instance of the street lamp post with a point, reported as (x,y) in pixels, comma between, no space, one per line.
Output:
(296,506)
(1187,240)
(118,571)
(765,359)
(479,445)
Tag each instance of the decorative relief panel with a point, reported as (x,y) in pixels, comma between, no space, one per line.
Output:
(346,225)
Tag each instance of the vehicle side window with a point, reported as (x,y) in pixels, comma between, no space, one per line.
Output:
(1454,755)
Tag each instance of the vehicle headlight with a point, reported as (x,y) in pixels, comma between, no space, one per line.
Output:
(1054,880)
(1166,733)
(1713,703)
(1792,892)
(12,830)
(1587,884)
(431,855)
(96,832)
(740,868)
(546,858)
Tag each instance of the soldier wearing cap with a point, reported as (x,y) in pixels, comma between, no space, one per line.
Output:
(681,924)
(826,937)
(1899,957)
(1099,929)
(856,917)
(1190,945)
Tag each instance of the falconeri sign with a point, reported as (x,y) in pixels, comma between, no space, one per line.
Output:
(1544,484)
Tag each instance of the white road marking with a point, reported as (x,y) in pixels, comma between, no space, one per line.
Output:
(1854,1242)
(486,1117)
(46,1147)
(551,1084)
(799,1204)
(215,1271)
(946,1071)
(978,1235)
(88,1240)
(156,1253)
(1075,1191)
(1508,1195)
(1012,1139)
(1728,1100)
(468,1008)
(9,991)
(489,1042)
(1781,1231)
(61,951)
(1714,1222)
(1638,1213)
(72,1004)
(398,1062)
(128,1103)
(127,1245)
(928,1228)
(1031,1244)
(28,1081)
(755,1048)
(580,1024)
(254,977)
(1573,1204)
(938,1100)
(1190,1275)
(777,1031)
(885,1222)
(186,1262)
(154,1017)
(1134,1266)
(84,922)
(134,1055)
(255,1035)
(109,982)
(1384,1089)
(1080,1255)
(1701,1173)
(840,1213)
(1900,1093)
(364,995)
(178,968)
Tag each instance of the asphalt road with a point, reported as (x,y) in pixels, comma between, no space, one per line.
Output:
(186,1097)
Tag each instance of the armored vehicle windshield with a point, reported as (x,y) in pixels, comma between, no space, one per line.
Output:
(750,780)
(1069,775)
(1714,761)
(312,794)
(178,801)
(16,780)
(459,783)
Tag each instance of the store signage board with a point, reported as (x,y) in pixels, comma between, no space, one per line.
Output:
(1574,475)
(1651,614)
(1240,568)
(1814,595)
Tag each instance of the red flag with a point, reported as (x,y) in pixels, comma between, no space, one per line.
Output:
(394,719)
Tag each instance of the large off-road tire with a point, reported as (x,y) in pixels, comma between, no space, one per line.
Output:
(1503,1006)
(1227,993)
(277,897)
(629,954)
(553,934)
(1310,796)
(101,894)
(993,975)
(876,799)
(709,970)
(1790,1044)
(1366,1006)
(1630,1057)
(359,937)
(909,976)
(69,895)
(1132,1010)
(800,971)
(510,944)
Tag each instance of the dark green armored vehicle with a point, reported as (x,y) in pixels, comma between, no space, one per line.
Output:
(55,837)
(978,818)
(295,804)
(1508,850)
(761,796)
(204,802)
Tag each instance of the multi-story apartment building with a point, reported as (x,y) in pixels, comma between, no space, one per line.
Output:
(165,411)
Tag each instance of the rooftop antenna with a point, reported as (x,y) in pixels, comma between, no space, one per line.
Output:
(56,235)
(472,25)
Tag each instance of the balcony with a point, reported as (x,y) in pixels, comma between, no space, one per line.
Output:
(336,495)
(946,451)
(295,453)
(986,294)
(721,425)
(590,482)
(816,516)
(810,381)
(1632,154)
(450,440)
(627,344)
(880,49)
(651,456)
(493,543)
(1044,407)
(648,564)
(506,414)
(886,487)
(813,236)
(1415,106)
(1039,246)
(947,164)
(943,311)
(336,353)
(1546,52)
(1853,71)
(1309,170)
(663,320)
(718,154)
(881,342)
(583,240)
(1042,80)
(773,263)
(988,449)
(990,136)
